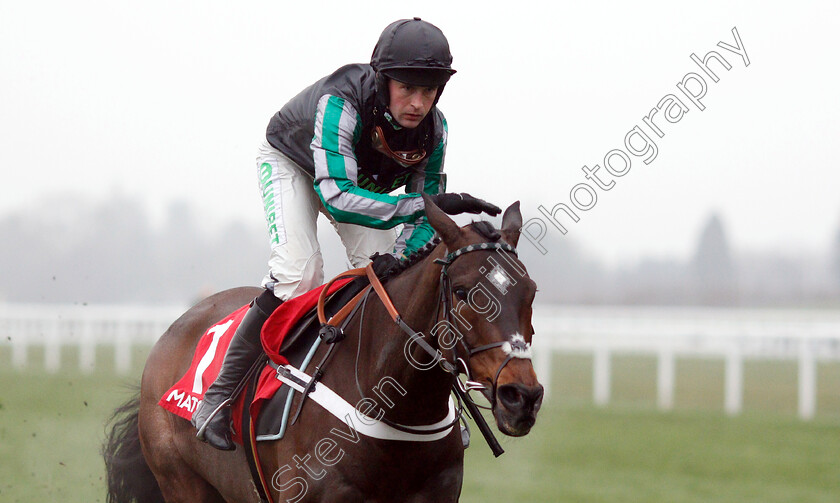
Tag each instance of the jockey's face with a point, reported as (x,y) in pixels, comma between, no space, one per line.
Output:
(410,103)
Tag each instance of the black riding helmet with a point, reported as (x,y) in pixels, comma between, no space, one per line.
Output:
(412,51)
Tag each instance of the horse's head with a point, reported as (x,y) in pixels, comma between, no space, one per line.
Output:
(490,296)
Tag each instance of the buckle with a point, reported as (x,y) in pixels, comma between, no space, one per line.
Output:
(331,334)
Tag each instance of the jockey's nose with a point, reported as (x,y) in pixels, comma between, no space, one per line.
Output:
(417,101)
(520,398)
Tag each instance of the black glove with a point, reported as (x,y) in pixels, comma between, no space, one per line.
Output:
(454,204)
(384,264)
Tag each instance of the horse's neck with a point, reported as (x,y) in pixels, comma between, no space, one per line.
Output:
(418,396)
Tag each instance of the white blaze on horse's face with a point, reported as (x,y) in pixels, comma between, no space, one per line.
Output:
(500,280)
(498,277)
(517,347)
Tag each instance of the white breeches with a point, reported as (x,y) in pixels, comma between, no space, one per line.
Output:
(291,210)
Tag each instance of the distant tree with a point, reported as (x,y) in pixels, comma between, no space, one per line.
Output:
(108,252)
(714,272)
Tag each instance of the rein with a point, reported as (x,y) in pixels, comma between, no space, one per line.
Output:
(517,348)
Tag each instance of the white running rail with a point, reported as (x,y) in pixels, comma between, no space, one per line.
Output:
(52,327)
(734,335)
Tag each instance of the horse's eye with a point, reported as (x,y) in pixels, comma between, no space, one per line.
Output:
(460,292)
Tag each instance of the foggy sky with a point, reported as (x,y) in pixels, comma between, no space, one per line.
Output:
(111,253)
(165,101)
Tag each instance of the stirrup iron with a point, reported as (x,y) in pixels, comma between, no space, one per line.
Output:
(225,403)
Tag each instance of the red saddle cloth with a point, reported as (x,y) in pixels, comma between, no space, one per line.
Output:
(182,398)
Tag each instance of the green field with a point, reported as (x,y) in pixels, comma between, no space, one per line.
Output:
(51,428)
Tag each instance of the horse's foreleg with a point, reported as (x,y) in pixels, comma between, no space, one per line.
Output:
(444,487)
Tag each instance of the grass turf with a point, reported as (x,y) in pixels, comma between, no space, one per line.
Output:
(51,428)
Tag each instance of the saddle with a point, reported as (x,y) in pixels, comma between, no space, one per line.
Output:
(287,337)
(295,339)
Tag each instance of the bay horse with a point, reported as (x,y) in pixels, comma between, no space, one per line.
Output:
(153,456)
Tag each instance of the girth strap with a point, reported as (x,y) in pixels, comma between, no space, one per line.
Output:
(249,442)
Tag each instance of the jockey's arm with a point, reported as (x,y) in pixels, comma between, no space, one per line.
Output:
(337,127)
(432,180)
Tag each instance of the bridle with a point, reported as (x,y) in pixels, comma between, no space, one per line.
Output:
(332,331)
(515,348)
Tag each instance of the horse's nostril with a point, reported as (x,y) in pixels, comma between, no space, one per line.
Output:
(510,397)
(538,393)
(517,396)
(538,397)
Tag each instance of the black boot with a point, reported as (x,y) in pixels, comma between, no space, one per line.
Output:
(212,416)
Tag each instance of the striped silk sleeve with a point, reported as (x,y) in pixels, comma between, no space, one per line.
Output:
(337,129)
(432,180)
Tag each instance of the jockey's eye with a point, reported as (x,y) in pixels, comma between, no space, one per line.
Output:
(460,292)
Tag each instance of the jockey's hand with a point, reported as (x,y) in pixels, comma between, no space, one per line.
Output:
(384,264)
(454,204)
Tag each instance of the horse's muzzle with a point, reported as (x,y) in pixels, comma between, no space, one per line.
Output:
(516,408)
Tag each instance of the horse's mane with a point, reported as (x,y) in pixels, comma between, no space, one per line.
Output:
(414,258)
(486,230)
(482,228)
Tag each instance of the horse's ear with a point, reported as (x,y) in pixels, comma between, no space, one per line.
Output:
(440,221)
(512,223)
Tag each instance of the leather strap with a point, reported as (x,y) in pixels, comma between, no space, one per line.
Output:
(380,291)
(249,442)
(344,311)
(367,426)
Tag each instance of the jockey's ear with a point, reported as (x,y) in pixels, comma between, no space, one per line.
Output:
(440,221)
(512,224)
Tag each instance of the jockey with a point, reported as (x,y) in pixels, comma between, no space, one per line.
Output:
(339,148)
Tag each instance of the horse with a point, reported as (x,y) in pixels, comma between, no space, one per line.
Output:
(153,456)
